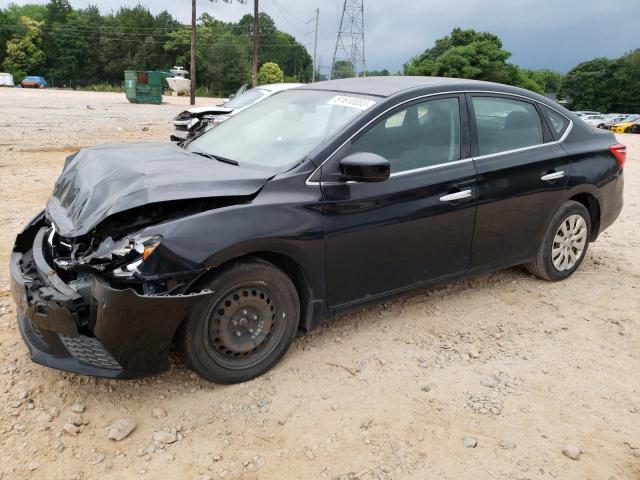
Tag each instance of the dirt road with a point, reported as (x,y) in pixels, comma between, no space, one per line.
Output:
(524,367)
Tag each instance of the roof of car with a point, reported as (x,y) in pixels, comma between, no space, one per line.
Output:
(387,86)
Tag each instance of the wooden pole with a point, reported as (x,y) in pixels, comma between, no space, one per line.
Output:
(254,60)
(315,46)
(192,70)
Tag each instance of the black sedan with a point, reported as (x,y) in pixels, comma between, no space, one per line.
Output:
(313,202)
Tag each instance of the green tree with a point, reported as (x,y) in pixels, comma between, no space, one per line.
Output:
(343,69)
(377,73)
(470,54)
(90,21)
(590,85)
(86,46)
(277,47)
(24,54)
(223,56)
(270,73)
(66,49)
(10,25)
(626,83)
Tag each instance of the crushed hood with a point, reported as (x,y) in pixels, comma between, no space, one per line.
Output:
(101,181)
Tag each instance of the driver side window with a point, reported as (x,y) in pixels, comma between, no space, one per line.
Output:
(422,135)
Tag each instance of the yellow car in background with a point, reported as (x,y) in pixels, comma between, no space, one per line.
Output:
(626,127)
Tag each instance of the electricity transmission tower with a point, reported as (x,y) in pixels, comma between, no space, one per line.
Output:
(348,56)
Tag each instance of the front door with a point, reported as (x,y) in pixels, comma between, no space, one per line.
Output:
(417,225)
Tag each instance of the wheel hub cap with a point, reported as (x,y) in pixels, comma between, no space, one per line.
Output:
(569,242)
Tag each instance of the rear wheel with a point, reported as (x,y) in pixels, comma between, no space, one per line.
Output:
(246,327)
(627,130)
(564,245)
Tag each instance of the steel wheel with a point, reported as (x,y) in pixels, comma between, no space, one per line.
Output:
(246,326)
(569,242)
(242,328)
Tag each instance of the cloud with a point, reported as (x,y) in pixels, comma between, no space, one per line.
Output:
(539,33)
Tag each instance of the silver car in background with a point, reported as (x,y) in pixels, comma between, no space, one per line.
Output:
(197,120)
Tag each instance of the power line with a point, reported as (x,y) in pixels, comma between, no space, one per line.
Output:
(284,15)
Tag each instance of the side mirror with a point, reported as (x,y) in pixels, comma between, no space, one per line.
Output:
(365,167)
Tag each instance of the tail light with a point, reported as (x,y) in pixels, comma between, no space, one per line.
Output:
(620,152)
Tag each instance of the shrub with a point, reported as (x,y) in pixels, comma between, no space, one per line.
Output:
(270,73)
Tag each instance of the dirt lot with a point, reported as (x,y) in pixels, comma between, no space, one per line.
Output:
(523,366)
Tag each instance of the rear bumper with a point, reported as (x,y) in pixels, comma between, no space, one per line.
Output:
(611,202)
(117,333)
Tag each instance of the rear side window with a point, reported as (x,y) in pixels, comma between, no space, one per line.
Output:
(504,124)
(558,123)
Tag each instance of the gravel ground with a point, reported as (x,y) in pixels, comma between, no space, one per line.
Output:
(503,376)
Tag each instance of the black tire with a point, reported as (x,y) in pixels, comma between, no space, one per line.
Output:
(246,327)
(627,130)
(542,265)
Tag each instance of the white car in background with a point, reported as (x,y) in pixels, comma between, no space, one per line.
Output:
(594,120)
(584,113)
(197,120)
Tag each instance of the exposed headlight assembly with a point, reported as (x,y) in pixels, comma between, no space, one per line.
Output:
(143,248)
(122,257)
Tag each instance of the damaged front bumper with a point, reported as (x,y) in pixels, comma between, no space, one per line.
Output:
(111,332)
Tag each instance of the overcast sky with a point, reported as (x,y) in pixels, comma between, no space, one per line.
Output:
(554,34)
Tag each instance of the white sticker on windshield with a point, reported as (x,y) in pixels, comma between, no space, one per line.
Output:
(353,102)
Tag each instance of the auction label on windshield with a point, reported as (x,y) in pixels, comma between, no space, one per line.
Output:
(353,102)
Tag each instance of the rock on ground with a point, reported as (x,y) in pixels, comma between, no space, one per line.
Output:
(120,428)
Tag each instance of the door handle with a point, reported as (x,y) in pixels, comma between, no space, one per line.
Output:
(456,196)
(552,176)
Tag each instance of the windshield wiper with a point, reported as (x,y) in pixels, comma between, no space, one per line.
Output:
(216,157)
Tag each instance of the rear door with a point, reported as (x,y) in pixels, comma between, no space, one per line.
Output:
(417,225)
(522,173)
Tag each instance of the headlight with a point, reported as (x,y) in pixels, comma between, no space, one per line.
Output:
(143,246)
(122,257)
(137,249)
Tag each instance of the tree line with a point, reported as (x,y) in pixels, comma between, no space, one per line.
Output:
(75,47)
(606,85)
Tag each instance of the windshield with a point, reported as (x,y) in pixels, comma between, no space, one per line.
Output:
(247,98)
(282,129)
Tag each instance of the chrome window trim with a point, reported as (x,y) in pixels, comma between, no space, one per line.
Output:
(531,147)
(480,157)
(430,167)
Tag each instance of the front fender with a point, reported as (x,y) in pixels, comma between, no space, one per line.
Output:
(284,219)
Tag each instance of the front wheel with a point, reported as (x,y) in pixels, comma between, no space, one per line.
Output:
(247,325)
(564,245)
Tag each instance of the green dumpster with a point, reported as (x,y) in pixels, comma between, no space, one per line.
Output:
(144,86)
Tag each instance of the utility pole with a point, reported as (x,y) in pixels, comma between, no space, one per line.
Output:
(254,60)
(192,70)
(315,47)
